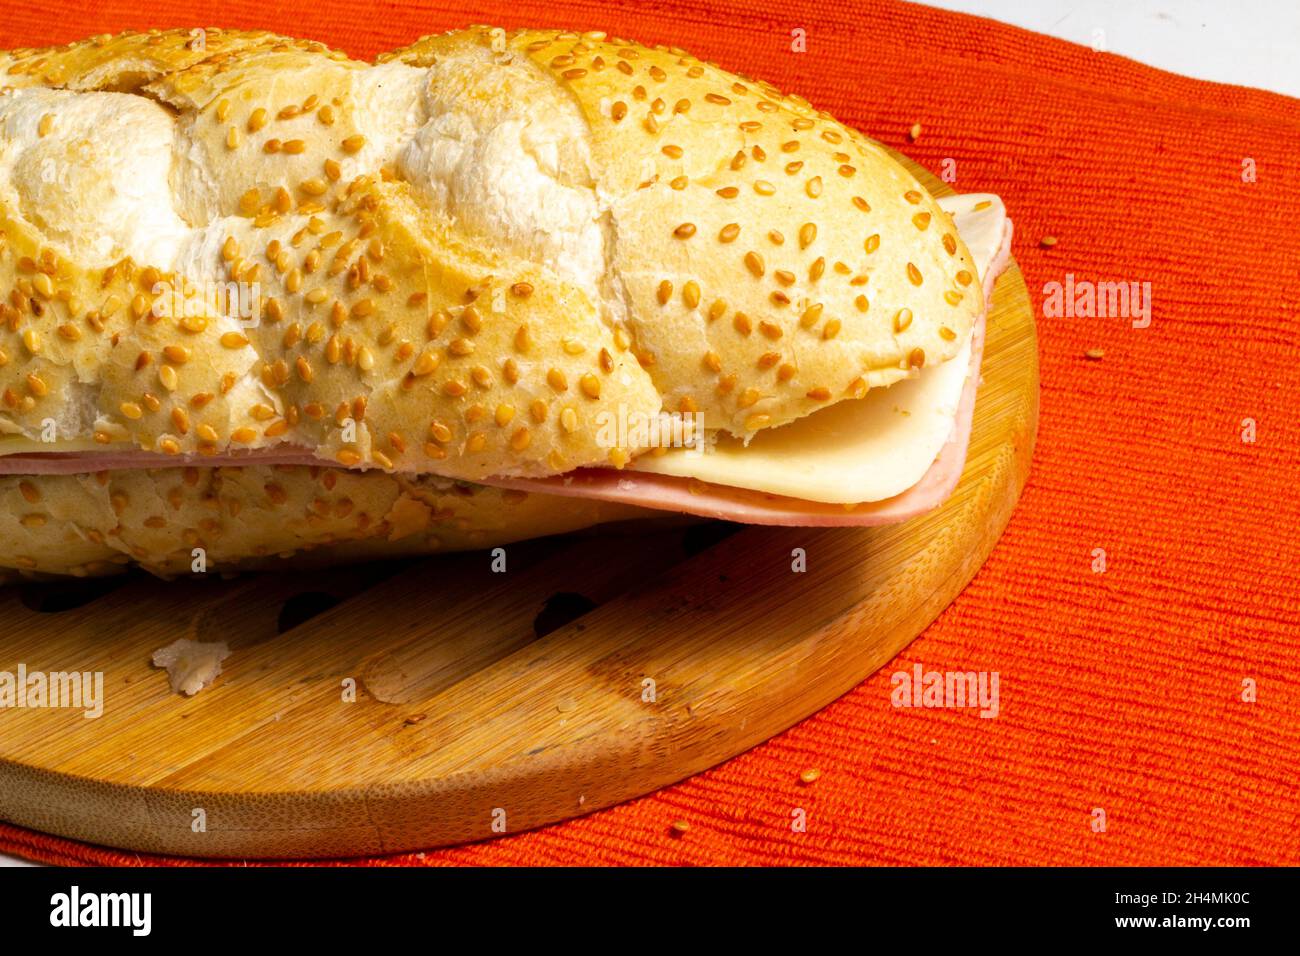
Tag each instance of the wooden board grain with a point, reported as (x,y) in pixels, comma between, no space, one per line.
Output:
(479,693)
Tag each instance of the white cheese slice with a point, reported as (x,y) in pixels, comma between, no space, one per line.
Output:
(867,449)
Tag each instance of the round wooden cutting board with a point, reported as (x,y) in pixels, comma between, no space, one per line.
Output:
(596,669)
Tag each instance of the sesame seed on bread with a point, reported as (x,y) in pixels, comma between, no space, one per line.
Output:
(263,516)
(463,255)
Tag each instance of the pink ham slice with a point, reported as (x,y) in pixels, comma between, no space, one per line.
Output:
(661,492)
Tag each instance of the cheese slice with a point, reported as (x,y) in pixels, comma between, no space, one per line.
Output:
(867,449)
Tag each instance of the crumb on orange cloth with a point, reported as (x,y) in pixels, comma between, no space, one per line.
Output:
(1121,690)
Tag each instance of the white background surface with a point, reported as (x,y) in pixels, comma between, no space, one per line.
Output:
(1246,42)
(1251,43)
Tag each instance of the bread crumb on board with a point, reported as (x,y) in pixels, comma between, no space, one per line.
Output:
(191,665)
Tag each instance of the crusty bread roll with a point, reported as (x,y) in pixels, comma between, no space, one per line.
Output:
(454,262)
(260,516)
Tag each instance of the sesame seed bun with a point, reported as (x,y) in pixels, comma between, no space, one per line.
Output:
(463,255)
(261,516)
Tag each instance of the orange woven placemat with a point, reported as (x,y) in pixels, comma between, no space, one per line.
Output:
(1120,690)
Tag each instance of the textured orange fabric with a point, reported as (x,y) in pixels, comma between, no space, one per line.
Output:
(1120,690)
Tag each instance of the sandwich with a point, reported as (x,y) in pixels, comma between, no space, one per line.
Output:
(262,302)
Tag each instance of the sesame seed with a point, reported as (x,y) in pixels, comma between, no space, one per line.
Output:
(915,132)
(691,294)
(685,230)
(902,320)
(809,776)
(913,274)
(1094,353)
(426,364)
(872,243)
(728,232)
(1047,242)
(754,263)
